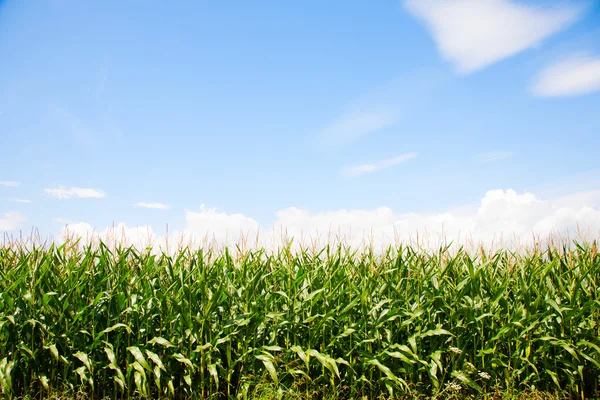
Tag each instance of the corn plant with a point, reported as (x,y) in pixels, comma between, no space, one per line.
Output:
(218,324)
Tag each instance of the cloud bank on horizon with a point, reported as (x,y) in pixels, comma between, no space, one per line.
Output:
(502,217)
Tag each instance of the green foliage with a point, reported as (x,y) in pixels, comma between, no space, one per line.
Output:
(207,324)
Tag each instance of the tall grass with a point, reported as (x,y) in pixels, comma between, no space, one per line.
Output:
(124,322)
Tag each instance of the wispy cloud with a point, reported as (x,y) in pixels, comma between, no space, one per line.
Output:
(382,107)
(571,76)
(498,155)
(9,183)
(18,200)
(357,170)
(473,34)
(63,193)
(351,126)
(157,206)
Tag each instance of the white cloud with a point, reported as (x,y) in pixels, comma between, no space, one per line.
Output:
(68,193)
(158,206)
(206,227)
(77,229)
(140,237)
(9,183)
(580,199)
(502,218)
(18,200)
(571,76)
(212,225)
(362,169)
(475,33)
(10,221)
(498,155)
(500,215)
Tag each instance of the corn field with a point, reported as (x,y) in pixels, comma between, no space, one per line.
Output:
(121,322)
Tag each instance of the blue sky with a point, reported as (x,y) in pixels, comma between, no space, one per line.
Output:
(250,108)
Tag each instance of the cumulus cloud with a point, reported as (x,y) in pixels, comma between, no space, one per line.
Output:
(140,237)
(206,227)
(9,183)
(157,206)
(501,218)
(473,34)
(10,221)
(571,76)
(498,155)
(63,193)
(362,169)
(213,225)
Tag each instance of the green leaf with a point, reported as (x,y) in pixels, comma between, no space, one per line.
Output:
(156,359)
(386,371)
(212,370)
(184,360)
(44,381)
(436,332)
(84,359)
(461,376)
(326,361)
(267,361)
(139,357)
(161,341)
(298,350)
(397,354)
(53,351)
(272,348)
(117,326)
